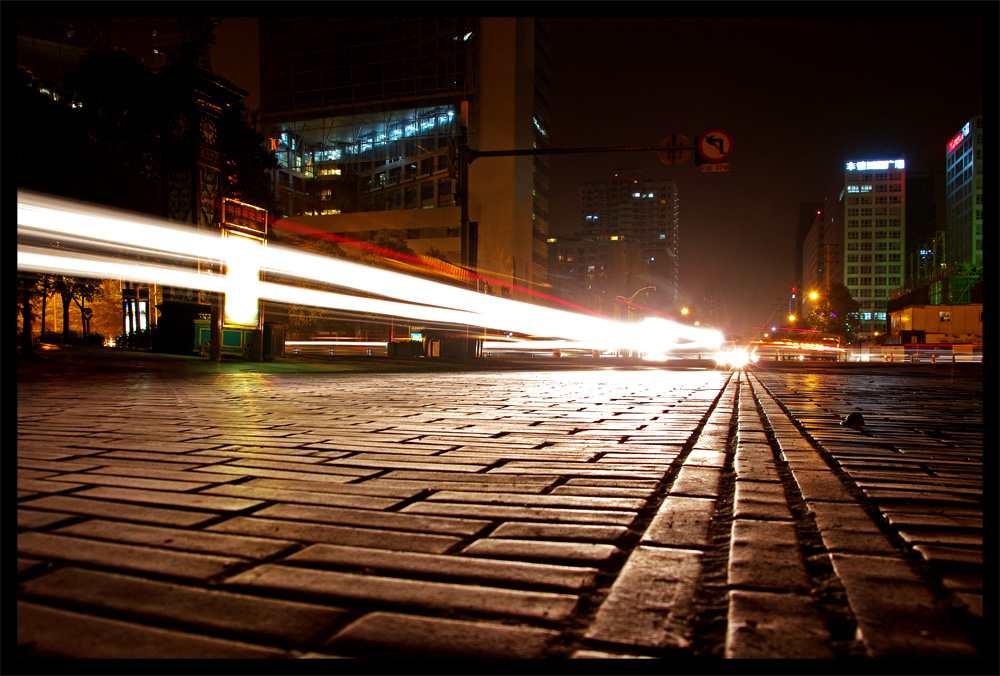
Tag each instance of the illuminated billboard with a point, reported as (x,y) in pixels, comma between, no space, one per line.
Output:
(876,165)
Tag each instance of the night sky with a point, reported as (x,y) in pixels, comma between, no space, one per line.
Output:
(799,98)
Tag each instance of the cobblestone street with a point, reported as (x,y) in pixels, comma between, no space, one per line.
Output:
(224,512)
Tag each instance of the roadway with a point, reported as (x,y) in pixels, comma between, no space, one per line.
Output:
(322,507)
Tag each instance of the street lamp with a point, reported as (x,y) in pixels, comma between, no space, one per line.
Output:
(628,301)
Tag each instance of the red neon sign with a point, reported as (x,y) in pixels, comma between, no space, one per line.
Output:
(955,142)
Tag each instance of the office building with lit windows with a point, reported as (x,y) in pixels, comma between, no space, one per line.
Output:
(964,196)
(641,210)
(361,113)
(874,233)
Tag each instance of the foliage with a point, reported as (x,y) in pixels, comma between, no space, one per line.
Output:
(246,162)
(836,312)
(79,291)
(111,120)
(383,241)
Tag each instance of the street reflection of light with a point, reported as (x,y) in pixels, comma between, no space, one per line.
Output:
(54,220)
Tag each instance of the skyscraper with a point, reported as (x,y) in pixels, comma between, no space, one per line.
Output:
(964,196)
(642,210)
(362,112)
(875,229)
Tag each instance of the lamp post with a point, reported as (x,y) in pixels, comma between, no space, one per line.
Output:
(628,301)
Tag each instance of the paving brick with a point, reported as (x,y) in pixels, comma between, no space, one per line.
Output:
(572,532)
(187,608)
(345,535)
(947,538)
(329,499)
(452,567)
(286,475)
(29,519)
(760,500)
(113,510)
(704,457)
(821,485)
(541,549)
(558,501)
(123,557)
(681,522)
(341,587)
(46,486)
(90,478)
(156,497)
(177,538)
(847,528)
(897,615)
(951,557)
(372,519)
(510,512)
(765,555)
(928,497)
(763,625)
(602,492)
(409,637)
(651,604)
(696,481)
(44,632)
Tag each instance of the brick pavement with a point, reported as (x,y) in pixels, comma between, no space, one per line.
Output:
(591,513)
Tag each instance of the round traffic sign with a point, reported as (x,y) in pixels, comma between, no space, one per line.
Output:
(678,150)
(715,145)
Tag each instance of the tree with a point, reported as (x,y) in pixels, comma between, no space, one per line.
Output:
(383,242)
(114,121)
(246,162)
(836,312)
(79,291)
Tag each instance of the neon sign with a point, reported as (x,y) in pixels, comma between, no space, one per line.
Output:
(955,142)
(875,165)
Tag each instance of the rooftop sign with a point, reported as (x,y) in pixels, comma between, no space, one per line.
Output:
(957,141)
(876,165)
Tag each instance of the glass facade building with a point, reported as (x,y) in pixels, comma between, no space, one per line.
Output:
(964,196)
(361,113)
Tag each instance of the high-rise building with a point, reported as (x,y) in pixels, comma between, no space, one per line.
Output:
(597,272)
(964,196)
(822,261)
(642,210)
(711,311)
(362,113)
(874,233)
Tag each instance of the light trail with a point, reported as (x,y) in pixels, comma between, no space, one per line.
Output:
(54,220)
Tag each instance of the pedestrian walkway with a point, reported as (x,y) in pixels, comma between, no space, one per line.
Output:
(577,513)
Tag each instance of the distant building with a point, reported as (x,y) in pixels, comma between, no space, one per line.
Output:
(874,234)
(641,210)
(361,113)
(711,310)
(593,271)
(941,300)
(51,46)
(822,261)
(964,196)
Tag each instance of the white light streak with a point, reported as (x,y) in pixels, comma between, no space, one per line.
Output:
(42,218)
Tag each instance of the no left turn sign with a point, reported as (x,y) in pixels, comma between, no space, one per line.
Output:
(715,145)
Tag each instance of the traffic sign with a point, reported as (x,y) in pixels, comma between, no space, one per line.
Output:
(715,145)
(679,150)
(712,167)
